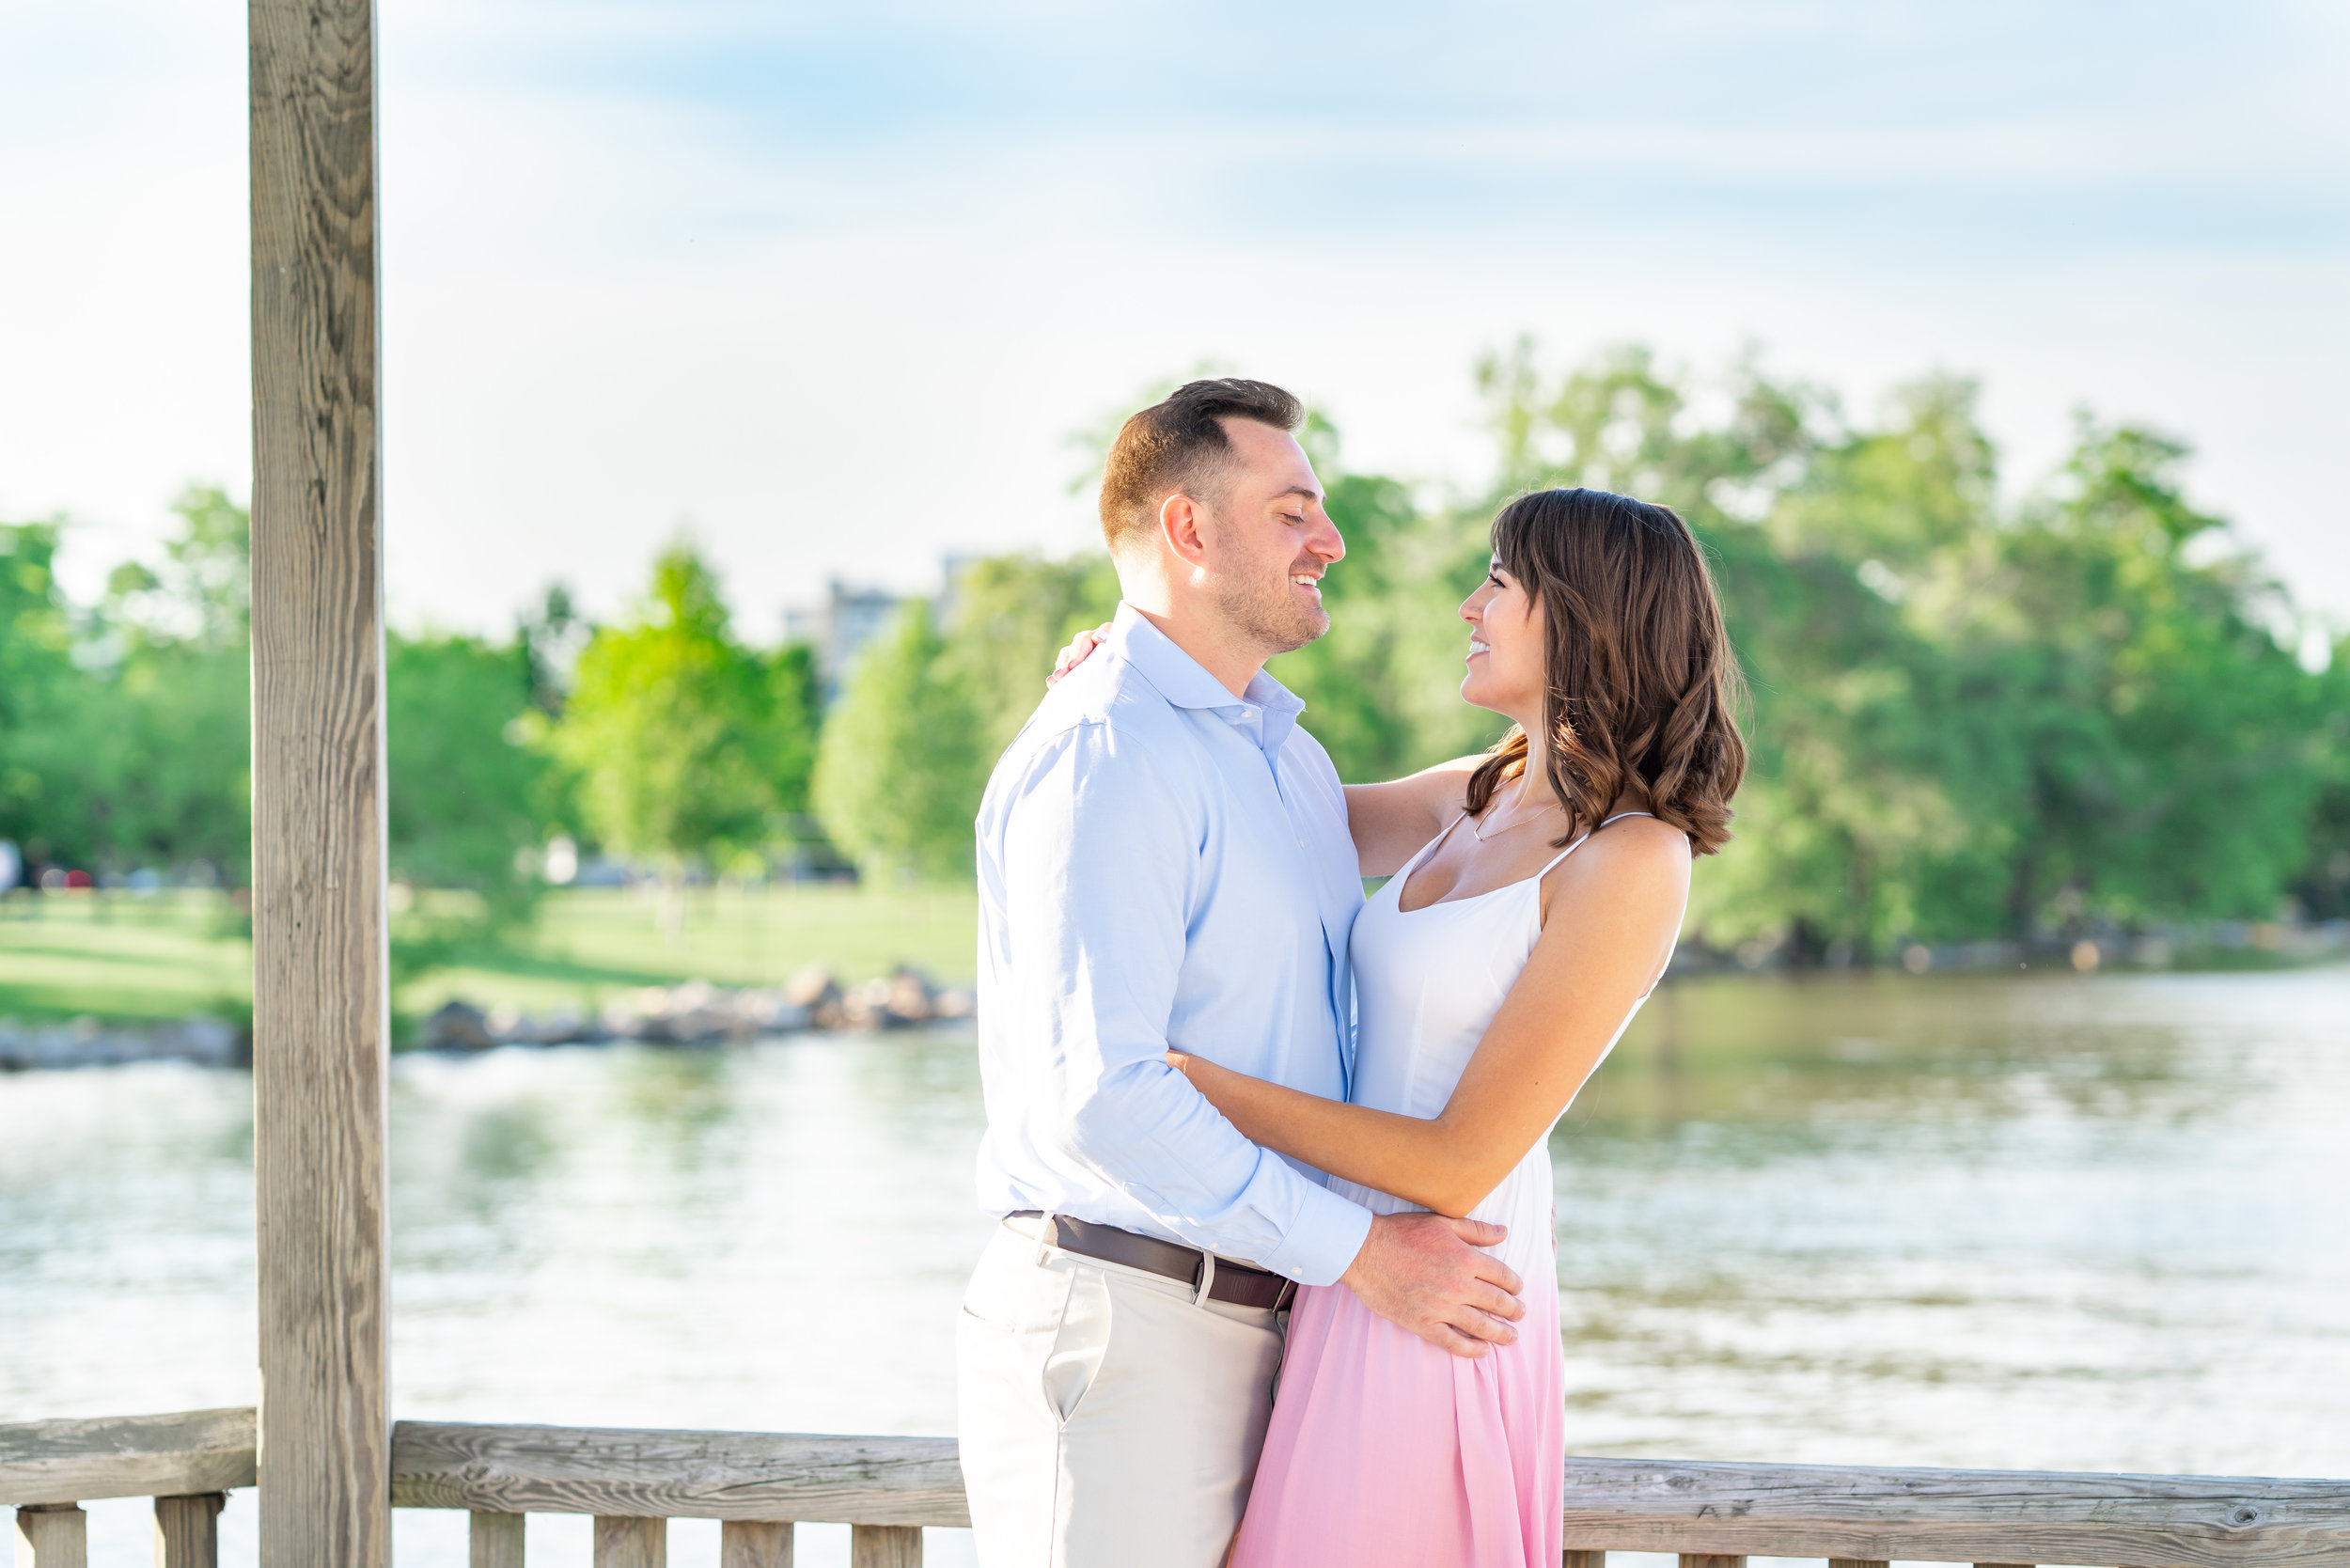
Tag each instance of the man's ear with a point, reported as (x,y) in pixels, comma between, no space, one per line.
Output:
(1180,525)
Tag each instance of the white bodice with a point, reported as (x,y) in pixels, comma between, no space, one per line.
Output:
(1427,983)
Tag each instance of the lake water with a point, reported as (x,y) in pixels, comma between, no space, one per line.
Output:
(2040,1222)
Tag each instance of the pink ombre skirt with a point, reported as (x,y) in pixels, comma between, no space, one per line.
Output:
(1386,1450)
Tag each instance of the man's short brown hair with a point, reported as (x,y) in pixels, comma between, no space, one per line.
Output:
(1180,444)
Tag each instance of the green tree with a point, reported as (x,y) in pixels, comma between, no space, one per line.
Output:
(905,755)
(45,704)
(2173,749)
(685,744)
(467,797)
(1012,614)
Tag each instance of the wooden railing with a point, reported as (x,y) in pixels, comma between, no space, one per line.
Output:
(187,1462)
(886,1489)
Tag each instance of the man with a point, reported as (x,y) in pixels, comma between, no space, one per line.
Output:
(1164,863)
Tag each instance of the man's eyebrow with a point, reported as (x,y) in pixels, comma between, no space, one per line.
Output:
(1306,491)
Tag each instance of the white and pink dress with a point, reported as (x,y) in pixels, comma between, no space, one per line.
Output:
(1385,1449)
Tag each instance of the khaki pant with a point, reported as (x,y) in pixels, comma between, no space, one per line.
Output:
(1108,1419)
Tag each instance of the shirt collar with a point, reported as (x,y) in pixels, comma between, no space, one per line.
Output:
(1186,683)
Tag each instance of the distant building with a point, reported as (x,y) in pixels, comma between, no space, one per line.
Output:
(848,617)
(839,627)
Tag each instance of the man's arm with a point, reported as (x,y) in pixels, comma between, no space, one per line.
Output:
(1098,858)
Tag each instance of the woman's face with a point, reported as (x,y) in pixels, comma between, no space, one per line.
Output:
(1506,666)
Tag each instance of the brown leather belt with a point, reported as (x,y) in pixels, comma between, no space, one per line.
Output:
(1237,1284)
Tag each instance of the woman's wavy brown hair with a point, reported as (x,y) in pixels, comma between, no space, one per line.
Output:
(1642,681)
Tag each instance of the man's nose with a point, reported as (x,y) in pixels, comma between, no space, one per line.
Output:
(1326,543)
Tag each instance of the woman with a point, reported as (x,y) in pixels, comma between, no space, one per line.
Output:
(1494,972)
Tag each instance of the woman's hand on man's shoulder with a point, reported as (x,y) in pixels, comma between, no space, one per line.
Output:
(1080,648)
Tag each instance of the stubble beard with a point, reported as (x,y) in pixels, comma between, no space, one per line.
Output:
(1274,621)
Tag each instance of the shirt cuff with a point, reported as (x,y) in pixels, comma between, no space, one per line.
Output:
(1323,1238)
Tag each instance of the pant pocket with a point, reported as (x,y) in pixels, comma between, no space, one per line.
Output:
(1073,1364)
(1009,1291)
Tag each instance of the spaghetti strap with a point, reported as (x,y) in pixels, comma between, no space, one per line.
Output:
(1580,843)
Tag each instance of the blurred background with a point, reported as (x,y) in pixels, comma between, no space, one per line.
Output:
(746,371)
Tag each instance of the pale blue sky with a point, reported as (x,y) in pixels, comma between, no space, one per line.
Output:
(833,282)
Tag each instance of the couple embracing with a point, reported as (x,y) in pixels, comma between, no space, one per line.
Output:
(1274,1282)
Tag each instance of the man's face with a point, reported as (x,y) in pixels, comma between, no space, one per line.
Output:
(1269,541)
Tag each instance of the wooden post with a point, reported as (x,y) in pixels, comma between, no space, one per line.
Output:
(1573,1559)
(755,1543)
(498,1540)
(187,1530)
(52,1535)
(1711,1560)
(1858,1562)
(321,1008)
(884,1546)
(631,1543)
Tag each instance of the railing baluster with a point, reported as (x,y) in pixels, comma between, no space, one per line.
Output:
(754,1544)
(1711,1560)
(187,1530)
(884,1546)
(52,1535)
(1858,1562)
(496,1540)
(1573,1559)
(630,1543)
(2004,1565)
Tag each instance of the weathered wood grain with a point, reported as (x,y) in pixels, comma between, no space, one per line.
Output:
(1573,1559)
(885,1547)
(495,1540)
(1858,1562)
(1711,1560)
(755,1543)
(52,1535)
(187,1530)
(320,1014)
(663,1474)
(631,1542)
(125,1456)
(1956,1516)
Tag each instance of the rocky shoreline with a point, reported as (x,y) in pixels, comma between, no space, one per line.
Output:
(693,1013)
(700,1013)
(87,1043)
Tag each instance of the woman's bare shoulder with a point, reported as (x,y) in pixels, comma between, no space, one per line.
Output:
(1638,850)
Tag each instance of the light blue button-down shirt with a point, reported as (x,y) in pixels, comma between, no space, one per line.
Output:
(1163,864)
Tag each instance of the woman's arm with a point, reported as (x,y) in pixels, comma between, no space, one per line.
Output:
(1611,926)
(1392,821)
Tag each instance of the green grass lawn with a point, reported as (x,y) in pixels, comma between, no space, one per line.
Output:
(173,954)
(166,955)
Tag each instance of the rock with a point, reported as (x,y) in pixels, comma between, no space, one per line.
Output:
(910,993)
(457,1026)
(641,1015)
(757,1013)
(812,987)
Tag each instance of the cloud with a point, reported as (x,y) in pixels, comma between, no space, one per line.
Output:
(834,281)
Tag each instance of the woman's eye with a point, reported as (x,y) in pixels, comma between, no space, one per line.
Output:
(1495,578)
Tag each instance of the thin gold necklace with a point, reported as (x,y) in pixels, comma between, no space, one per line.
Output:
(1476,828)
